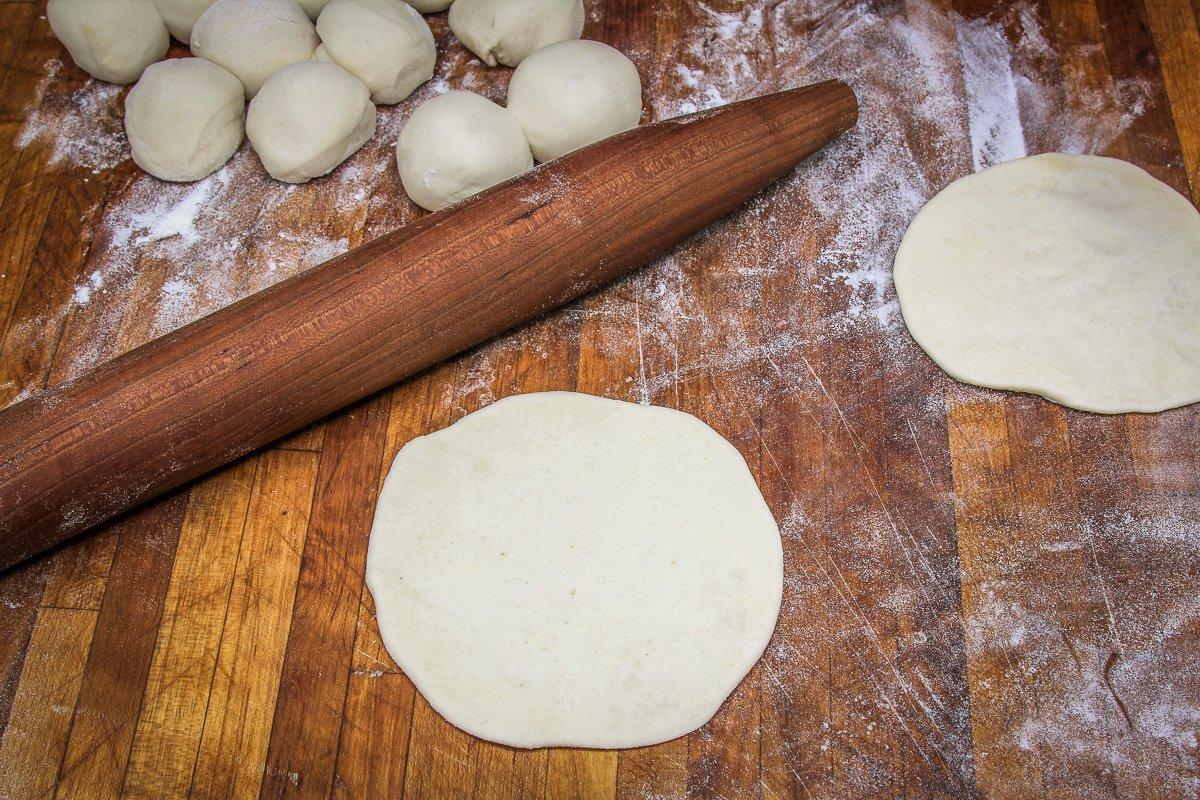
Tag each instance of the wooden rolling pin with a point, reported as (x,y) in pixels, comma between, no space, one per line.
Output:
(200,397)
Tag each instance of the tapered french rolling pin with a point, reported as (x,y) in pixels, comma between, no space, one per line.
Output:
(212,391)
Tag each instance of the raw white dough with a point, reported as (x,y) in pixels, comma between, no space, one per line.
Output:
(565,570)
(308,118)
(506,31)
(573,93)
(386,44)
(456,145)
(313,7)
(254,39)
(1073,277)
(181,15)
(184,118)
(113,40)
(430,6)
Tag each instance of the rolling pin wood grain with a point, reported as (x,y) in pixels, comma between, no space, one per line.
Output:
(212,391)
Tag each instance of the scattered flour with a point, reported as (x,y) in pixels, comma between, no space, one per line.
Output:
(940,95)
(83,126)
(992,106)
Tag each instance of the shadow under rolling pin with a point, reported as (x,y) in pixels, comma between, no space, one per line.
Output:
(242,377)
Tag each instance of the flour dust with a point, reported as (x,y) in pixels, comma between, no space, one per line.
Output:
(940,96)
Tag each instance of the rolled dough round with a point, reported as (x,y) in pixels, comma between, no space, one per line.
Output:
(566,570)
(1072,277)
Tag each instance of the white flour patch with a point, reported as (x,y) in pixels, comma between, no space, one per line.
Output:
(180,218)
(992,106)
(869,184)
(84,128)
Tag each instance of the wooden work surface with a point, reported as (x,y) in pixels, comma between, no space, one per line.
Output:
(986,594)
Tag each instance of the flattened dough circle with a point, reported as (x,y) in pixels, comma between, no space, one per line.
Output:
(562,569)
(1073,277)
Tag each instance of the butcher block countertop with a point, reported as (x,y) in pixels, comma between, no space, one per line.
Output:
(987,595)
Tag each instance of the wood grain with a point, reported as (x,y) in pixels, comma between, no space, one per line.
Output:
(987,595)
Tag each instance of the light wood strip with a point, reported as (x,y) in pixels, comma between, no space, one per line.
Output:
(581,774)
(373,749)
(80,573)
(309,712)
(36,735)
(171,719)
(983,482)
(237,724)
(20,589)
(1177,35)
(119,660)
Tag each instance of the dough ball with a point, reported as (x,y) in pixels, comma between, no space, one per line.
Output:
(384,43)
(456,145)
(254,39)
(570,94)
(113,41)
(506,31)
(430,6)
(181,15)
(308,118)
(184,118)
(565,570)
(1073,277)
(313,7)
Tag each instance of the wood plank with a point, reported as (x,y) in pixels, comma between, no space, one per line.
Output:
(110,698)
(80,571)
(36,734)
(37,46)
(1177,35)
(659,771)
(237,723)
(373,750)
(373,755)
(15,28)
(581,774)
(309,712)
(171,719)
(20,589)
(983,481)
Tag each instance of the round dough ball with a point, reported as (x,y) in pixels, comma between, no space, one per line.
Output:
(430,6)
(506,31)
(254,39)
(113,41)
(456,145)
(184,118)
(313,7)
(570,94)
(386,44)
(1073,277)
(565,570)
(181,15)
(308,118)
